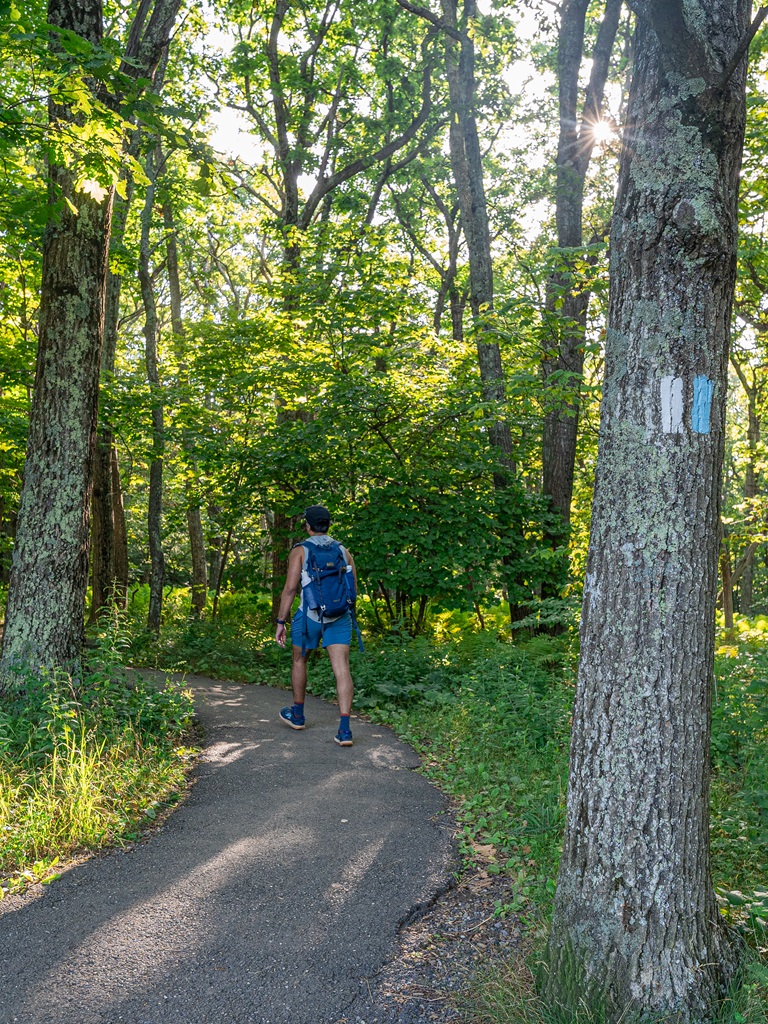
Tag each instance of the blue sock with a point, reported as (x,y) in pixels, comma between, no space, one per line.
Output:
(344,723)
(298,710)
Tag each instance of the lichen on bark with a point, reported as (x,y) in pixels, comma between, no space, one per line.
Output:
(636,930)
(44,615)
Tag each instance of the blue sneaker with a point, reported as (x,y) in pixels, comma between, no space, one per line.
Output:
(290,717)
(343,737)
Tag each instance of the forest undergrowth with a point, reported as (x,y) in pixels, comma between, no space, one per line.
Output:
(490,718)
(86,764)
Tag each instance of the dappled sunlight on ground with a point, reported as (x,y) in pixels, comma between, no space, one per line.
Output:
(352,876)
(286,844)
(174,924)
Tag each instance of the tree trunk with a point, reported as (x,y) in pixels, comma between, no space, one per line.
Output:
(155,510)
(636,928)
(746,564)
(752,488)
(49,577)
(281,532)
(119,534)
(574,152)
(146,57)
(726,577)
(199,567)
(220,580)
(467,167)
(102,531)
(215,544)
(194,517)
(104,579)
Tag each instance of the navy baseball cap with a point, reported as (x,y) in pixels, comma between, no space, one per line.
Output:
(317,517)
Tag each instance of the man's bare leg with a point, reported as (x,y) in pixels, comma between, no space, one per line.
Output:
(299,675)
(339,655)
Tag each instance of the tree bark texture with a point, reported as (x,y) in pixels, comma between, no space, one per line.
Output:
(151,330)
(574,152)
(49,575)
(636,928)
(199,564)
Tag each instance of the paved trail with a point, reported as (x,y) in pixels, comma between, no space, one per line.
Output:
(272,895)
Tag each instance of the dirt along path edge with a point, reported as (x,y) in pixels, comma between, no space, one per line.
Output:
(273,894)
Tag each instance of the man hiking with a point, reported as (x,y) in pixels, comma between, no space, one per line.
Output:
(324,572)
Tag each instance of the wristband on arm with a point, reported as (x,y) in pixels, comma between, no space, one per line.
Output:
(281,622)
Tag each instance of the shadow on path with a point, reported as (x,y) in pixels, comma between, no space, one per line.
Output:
(270,896)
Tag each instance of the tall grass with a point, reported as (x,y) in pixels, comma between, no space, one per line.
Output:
(84,765)
(505,993)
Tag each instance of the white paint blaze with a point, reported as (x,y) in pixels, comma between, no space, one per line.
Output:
(672,405)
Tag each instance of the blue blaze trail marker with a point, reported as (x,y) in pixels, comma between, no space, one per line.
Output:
(703,388)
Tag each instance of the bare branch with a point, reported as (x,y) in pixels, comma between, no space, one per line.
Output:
(427,15)
(407,226)
(326,185)
(741,375)
(147,47)
(743,46)
(256,114)
(593,98)
(449,214)
(329,15)
(741,565)
(759,323)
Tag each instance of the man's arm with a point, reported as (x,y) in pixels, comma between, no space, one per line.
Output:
(291,588)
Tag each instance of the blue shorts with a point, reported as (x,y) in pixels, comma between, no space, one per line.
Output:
(337,632)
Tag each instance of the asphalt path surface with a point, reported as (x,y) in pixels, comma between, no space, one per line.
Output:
(273,894)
